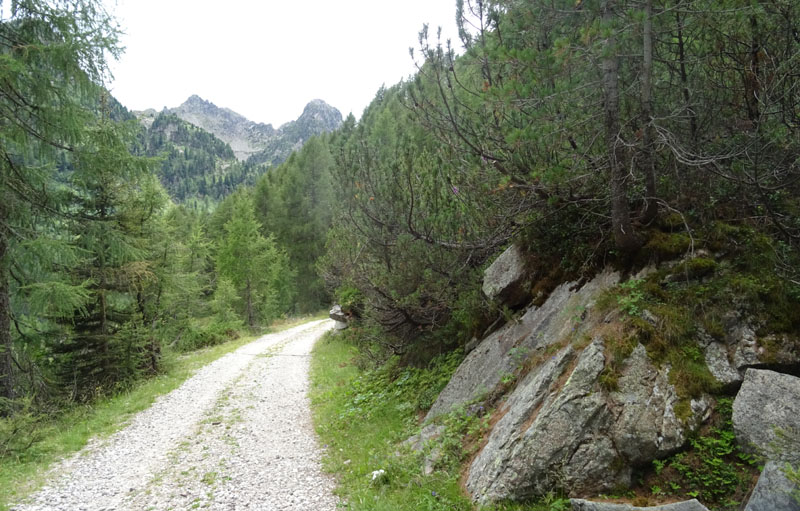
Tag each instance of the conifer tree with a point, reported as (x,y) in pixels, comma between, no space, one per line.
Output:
(53,61)
(258,270)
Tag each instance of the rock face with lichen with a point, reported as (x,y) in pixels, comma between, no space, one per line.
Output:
(766,415)
(766,419)
(740,349)
(563,315)
(504,280)
(561,429)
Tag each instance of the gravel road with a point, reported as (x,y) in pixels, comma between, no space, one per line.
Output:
(236,435)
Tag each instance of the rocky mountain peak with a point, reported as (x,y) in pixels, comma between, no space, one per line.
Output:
(259,141)
(322,114)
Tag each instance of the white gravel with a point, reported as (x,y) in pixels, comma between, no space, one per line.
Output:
(236,435)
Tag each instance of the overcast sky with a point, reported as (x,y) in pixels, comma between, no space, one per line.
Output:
(266,59)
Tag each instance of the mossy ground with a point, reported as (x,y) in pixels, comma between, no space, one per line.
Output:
(731,276)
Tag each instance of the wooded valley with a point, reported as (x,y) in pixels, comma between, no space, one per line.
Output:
(593,134)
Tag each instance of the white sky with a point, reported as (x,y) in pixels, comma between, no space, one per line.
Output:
(267,59)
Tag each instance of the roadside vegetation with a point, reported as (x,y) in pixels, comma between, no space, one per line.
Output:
(364,412)
(33,442)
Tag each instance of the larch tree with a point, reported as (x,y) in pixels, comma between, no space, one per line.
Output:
(52,64)
(258,270)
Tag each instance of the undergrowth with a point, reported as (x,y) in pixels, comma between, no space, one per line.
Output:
(731,278)
(714,469)
(364,414)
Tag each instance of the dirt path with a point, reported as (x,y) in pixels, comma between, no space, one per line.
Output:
(237,435)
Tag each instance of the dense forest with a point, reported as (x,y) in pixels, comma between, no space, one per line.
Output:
(592,133)
(106,261)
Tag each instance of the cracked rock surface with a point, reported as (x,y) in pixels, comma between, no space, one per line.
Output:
(236,435)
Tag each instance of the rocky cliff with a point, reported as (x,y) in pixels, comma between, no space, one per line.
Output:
(585,402)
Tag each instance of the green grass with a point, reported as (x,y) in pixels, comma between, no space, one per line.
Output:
(362,417)
(361,424)
(70,431)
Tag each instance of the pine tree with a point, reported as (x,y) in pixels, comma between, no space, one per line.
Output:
(117,200)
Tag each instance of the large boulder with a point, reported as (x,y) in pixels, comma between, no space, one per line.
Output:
(587,505)
(561,429)
(504,280)
(551,439)
(774,491)
(337,314)
(563,315)
(339,317)
(766,415)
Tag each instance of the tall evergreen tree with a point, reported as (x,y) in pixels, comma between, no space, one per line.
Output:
(53,57)
(295,203)
(258,270)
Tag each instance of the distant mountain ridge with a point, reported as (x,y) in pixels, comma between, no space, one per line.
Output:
(258,142)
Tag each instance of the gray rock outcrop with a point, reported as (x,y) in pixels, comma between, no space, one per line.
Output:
(549,439)
(740,349)
(766,415)
(504,279)
(774,491)
(646,427)
(560,429)
(748,350)
(587,505)
(339,317)
(337,314)
(720,366)
(564,314)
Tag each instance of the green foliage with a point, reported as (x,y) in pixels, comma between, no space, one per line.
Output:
(630,299)
(362,416)
(713,469)
(793,475)
(666,246)
(258,270)
(349,298)
(197,335)
(19,427)
(295,203)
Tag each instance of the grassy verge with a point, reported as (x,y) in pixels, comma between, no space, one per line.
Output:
(70,431)
(363,416)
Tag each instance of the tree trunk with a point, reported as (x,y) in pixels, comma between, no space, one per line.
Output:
(249,299)
(6,360)
(647,156)
(624,237)
(685,80)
